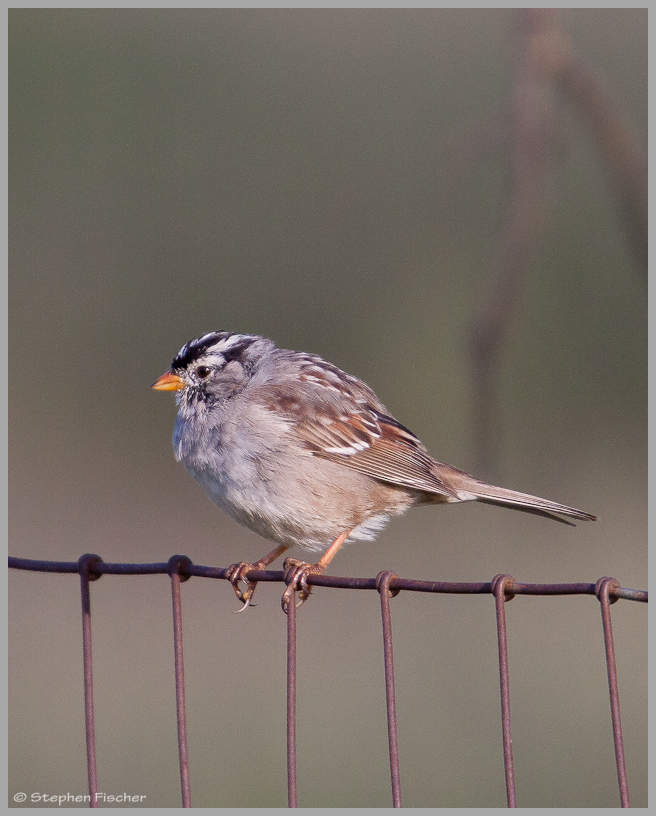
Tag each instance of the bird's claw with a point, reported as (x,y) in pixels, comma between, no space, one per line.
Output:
(243,588)
(296,575)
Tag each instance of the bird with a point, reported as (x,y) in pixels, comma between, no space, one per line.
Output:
(302,453)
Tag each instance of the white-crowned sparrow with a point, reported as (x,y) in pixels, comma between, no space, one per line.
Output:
(302,453)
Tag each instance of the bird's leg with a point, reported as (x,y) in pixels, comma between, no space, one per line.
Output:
(235,574)
(296,572)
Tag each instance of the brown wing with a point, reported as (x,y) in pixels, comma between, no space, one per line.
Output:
(339,418)
(395,456)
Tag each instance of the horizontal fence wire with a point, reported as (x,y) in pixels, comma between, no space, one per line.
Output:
(503,588)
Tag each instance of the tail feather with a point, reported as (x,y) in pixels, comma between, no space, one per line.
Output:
(490,494)
(536,511)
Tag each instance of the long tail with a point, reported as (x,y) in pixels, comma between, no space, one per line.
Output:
(466,488)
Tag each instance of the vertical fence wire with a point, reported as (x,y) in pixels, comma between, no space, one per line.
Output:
(292,790)
(383,586)
(177,564)
(502,586)
(85,564)
(603,588)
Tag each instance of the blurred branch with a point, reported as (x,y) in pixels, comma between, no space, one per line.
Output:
(624,157)
(531,112)
(544,63)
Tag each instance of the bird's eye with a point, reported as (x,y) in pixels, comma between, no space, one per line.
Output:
(203,371)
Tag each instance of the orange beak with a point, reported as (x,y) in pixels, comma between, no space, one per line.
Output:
(168,382)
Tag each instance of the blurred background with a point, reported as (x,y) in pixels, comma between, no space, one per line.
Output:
(336,180)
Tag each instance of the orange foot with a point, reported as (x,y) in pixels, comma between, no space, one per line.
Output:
(244,588)
(296,575)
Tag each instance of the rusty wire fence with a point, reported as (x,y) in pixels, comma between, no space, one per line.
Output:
(503,588)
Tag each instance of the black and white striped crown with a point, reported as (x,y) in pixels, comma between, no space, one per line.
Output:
(221,344)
